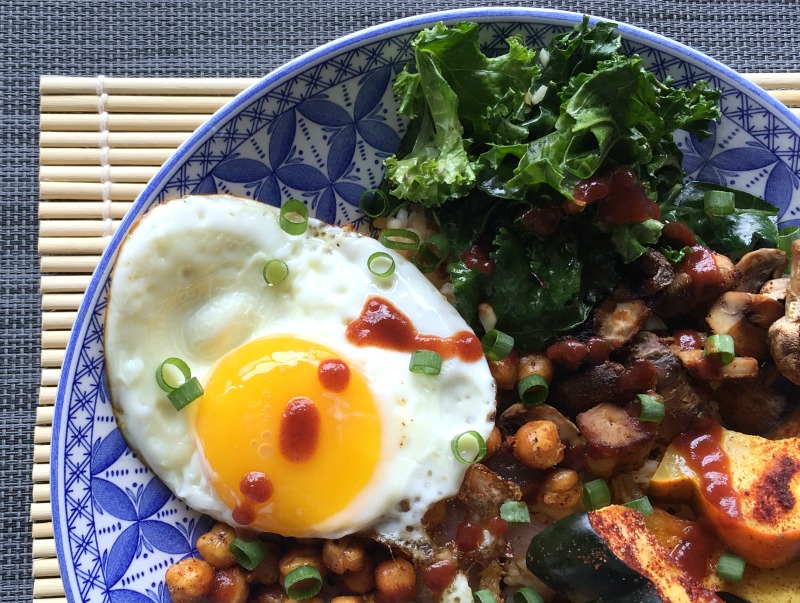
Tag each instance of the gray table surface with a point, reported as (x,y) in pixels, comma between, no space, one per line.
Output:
(228,38)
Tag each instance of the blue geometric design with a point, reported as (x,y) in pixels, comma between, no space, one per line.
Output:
(318,130)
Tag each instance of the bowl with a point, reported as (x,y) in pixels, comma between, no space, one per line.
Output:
(318,129)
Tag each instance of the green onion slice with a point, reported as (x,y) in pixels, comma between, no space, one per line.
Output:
(294,217)
(718,203)
(731,567)
(399,238)
(497,345)
(652,409)
(596,494)
(248,553)
(303,582)
(425,362)
(275,271)
(374,203)
(533,390)
(527,594)
(720,345)
(641,504)
(468,447)
(785,238)
(178,364)
(431,253)
(381,264)
(483,596)
(185,393)
(515,511)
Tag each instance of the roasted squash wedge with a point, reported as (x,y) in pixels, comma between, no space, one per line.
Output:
(746,487)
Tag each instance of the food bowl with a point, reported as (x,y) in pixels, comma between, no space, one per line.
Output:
(318,129)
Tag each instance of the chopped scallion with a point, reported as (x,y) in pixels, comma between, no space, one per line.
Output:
(497,345)
(527,594)
(731,567)
(515,511)
(374,203)
(720,345)
(294,217)
(248,553)
(653,410)
(399,238)
(431,253)
(483,596)
(185,393)
(641,504)
(381,264)
(303,582)
(596,494)
(275,271)
(468,447)
(425,362)
(533,390)
(718,203)
(177,363)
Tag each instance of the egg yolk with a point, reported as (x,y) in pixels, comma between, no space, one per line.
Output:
(289,431)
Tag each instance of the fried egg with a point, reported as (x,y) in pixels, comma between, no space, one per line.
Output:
(310,424)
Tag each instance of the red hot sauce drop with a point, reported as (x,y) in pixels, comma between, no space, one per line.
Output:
(382,325)
(333,374)
(256,486)
(299,430)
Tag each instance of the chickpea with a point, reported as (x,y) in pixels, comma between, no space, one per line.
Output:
(536,363)
(493,442)
(505,371)
(538,446)
(230,586)
(297,557)
(215,546)
(342,555)
(189,581)
(395,581)
(266,572)
(562,489)
(347,599)
(272,593)
(361,581)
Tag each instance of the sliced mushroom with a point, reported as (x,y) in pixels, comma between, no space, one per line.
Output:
(701,278)
(578,392)
(615,441)
(647,276)
(776,289)
(708,368)
(516,415)
(749,406)
(616,322)
(745,317)
(757,267)
(784,334)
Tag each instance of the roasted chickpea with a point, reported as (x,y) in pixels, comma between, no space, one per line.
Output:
(562,489)
(395,581)
(215,546)
(272,593)
(347,599)
(266,572)
(303,555)
(537,444)
(505,371)
(536,363)
(361,581)
(343,554)
(230,586)
(189,581)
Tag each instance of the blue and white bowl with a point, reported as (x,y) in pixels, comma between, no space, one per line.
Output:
(318,129)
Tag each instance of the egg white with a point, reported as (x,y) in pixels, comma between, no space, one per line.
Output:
(188,283)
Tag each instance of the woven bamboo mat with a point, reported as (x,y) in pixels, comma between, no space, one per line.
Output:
(101,140)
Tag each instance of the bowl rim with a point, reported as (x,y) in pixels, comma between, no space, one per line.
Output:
(275,78)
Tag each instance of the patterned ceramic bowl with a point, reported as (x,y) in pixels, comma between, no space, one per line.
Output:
(318,129)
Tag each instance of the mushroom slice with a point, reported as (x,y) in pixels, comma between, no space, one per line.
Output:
(745,317)
(710,369)
(784,334)
(516,415)
(757,267)
(616,322)
(775,288)
(749,406)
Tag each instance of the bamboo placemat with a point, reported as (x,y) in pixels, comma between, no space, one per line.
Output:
(101,140)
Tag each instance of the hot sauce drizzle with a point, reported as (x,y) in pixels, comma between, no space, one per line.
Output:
(299,431)
(333,374)
(256,486)
(382,325)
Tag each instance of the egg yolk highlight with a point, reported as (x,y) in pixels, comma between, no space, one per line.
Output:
(289,431)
